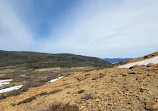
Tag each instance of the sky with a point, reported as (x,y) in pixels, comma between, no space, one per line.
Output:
(99,28)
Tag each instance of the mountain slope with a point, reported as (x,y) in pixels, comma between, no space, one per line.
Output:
(15,59)
(153,60)
(139,58)
(109,89)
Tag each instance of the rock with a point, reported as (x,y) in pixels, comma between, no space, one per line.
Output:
(133,67)
(82,107)
(151,65)
(87,76)
(128,106)
(149,105)
(68,92)
(79,101)
(146,56)
(95,76)
(156,99)
(97,100)
(142,89)
(81,91)
(132,73)
(2,96)
(140,73)
(12,104)
(139,77)
(155,106)
(87,97)
(106,93)
(124,74)
(81,77)
(101,75)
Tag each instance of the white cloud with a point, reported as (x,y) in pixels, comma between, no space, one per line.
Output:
(102,28)
(14,34)
(117,29)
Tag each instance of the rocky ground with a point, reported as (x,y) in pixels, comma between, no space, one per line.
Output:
(110,89)
(33,78)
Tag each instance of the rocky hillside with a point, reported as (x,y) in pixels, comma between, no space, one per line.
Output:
(110,89)
(139,59)
(34,60)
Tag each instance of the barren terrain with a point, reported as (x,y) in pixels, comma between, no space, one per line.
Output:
(108,89)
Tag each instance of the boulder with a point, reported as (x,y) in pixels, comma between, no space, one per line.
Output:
(151,65)
(149,105)
(133,67)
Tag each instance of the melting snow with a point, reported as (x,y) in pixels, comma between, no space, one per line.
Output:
(143,62)
(56,79)
(4,82)
(10,89)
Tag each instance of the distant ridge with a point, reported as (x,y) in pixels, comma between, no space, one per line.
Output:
(21,59)
(115,60)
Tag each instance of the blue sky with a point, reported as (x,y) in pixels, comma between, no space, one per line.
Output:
(101,28)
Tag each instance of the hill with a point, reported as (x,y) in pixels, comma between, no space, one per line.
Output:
(150,61)
(35,60)
(115,60)
(108,89)
(138,59)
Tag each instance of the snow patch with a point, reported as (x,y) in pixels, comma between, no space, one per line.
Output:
(56,79)
(143,62)
(4,82)
(10,89)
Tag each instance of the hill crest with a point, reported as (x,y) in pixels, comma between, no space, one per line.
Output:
(35,60)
